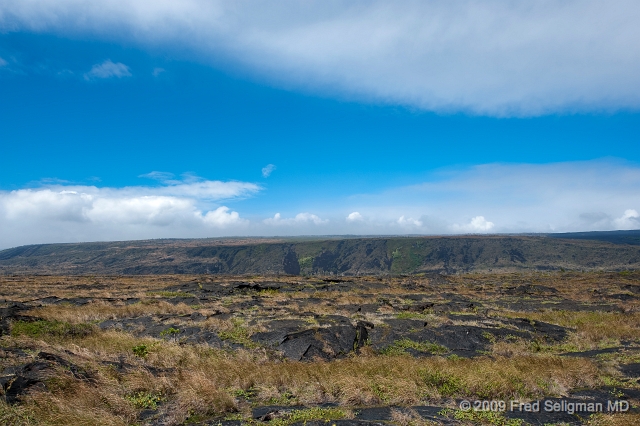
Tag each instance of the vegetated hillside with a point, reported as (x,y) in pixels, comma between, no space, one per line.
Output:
(348,256)
(617,237)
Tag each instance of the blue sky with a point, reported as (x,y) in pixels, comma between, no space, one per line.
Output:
(153,119)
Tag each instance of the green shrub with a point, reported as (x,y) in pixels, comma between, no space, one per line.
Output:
(168,332)
(141,351)
(144,400)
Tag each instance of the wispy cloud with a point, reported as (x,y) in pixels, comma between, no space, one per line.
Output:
(484,57)
(558,197)
(299,219)
(267,170)
(108,69)
(409,222)
(165,177)
(2,62)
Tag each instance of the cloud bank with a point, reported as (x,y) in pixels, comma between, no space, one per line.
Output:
(557,197)
(300,219)
(85,213)
(483,57)
(490,198)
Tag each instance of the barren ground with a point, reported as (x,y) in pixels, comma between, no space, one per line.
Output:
(178,349)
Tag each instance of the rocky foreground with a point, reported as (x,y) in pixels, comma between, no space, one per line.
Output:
(168,350)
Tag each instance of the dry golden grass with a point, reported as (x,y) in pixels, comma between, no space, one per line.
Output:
(102,311)
(190,380)
(592,329)
(199,380)
(615,420)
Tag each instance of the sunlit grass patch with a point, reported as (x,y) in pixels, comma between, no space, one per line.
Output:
(399,347)
(100,311)
(17,415)
(489,418)
(44,328)
(625,419)
(238,332)
(310,414)
(594,329)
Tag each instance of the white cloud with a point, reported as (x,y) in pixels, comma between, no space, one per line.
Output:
(157,71)
(481,56)
(108,69)
(150,210)
(556,197)
(355,217)
(221,217)
(267,170)
(629,220)
(71,213)
(299,219)
(476,225)
(45,203)
(2,62)
(409,222)
(210,190)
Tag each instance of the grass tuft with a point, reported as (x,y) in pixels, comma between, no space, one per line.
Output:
(170,294)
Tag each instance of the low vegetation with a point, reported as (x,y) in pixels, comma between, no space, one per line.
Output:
(107,354)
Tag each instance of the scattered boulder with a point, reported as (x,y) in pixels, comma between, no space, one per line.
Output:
(631,370)
(324,343)
(623,297)
(333,337)
(539,329)
(462,340)
(159,327)
(257,286)
(530,289)
(11,312)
